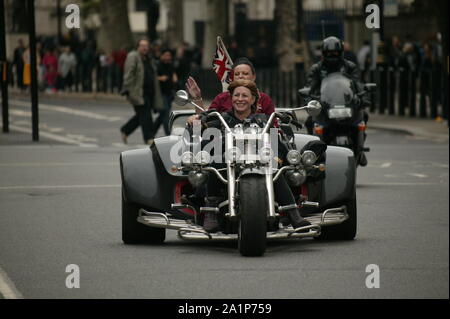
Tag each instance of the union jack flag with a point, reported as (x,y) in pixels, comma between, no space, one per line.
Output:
(222,64)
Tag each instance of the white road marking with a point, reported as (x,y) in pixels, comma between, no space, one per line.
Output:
(54,137)
(49,164)
(7,287)
(417,175)
(37,187)
(398,184)
(20,113)
(386,165)
(68,110)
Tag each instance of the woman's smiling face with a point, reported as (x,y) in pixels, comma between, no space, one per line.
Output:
(242,100)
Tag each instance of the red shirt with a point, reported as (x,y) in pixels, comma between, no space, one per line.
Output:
(222,103)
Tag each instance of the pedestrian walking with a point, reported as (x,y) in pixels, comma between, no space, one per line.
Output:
(141,87)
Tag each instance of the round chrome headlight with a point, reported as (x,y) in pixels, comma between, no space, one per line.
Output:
(265,154)
(203,158)
(187,158)
(309,157)
(233,154)
(295,178)
(293,157)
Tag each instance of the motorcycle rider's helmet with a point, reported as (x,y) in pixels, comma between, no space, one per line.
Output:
(332,52)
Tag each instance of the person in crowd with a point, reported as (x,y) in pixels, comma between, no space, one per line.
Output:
(18,63)
(102,71)
(363,58)
(243,69)
(119,57)
(244,97)
(87,61)
(67,63)
(348,53)
(26,60)
(50,62)
(183,60)
(141,87)
(168,80)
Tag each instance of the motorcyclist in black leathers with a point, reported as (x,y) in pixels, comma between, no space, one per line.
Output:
(333,61)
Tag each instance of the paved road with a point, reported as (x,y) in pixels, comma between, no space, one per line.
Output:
(60,205)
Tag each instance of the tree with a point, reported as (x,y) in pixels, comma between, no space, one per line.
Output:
(115,31)
(215,25)
(175,23)
(306,49)
(152,19)
(286,19)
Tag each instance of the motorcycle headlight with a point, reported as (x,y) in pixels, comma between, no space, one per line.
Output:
(265,154)
(197,178)
(309,157)
(293,157)
(187,158)
(295,178)
(203,158)
(233,154)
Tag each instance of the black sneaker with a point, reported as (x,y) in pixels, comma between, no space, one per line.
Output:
(362,159)
(297,221)
(302,223)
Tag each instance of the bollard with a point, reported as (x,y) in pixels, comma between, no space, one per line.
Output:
(383,89)
(372,94)
(391,86)
(433,95)
(403,91)
(424,89)
(413,95)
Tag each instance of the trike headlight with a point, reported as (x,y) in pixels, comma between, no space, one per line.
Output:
(203,158)
(187,158)
(309,157)
(293,157)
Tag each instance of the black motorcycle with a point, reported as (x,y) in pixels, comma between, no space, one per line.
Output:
(342,120)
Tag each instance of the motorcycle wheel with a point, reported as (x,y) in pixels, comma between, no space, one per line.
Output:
(346,230)
(253,209)
(134,232)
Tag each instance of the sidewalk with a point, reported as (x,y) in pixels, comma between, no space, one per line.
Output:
(14,93)
(422,128)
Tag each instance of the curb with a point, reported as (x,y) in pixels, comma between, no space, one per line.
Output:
(417,131)
(94,95)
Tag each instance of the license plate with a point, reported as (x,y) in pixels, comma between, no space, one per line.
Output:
(341,140)
(340,113)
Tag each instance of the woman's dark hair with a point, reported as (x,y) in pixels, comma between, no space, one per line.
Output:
(164,50)
(244,60)
(249,85)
